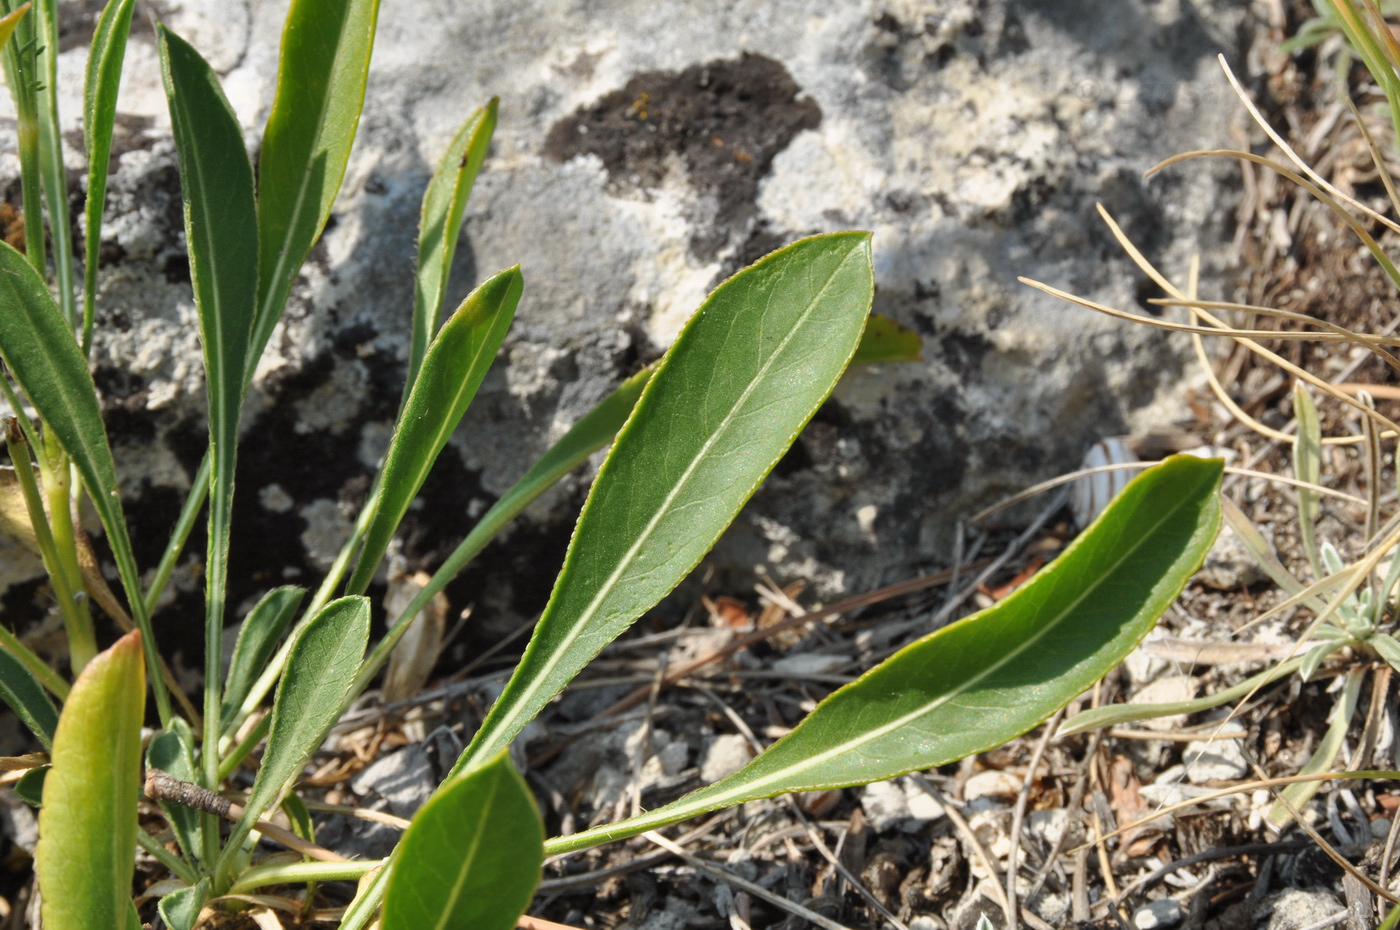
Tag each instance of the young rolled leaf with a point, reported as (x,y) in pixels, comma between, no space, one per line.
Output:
(25,696)
(87,826)
(42,355)
(216,185)
(729,397)
(472,856)
(104,74)
(456,362)
(257,640)
(441,223)
(992,676)
(320,667)
(321,76)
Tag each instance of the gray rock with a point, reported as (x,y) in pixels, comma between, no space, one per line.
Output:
(973,137)
(726,754)
(1214,761)
(1295,909)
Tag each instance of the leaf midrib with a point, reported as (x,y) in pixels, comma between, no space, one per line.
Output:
(537,684)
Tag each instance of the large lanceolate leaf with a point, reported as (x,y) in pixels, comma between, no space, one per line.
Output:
(742,379)
(87,827)
(321,75)
(216,185)
(452,370)
(441,223)
(472,856)
(104,74)
(320,667)
(992,676)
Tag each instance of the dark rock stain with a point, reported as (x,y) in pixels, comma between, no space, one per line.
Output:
(723,120)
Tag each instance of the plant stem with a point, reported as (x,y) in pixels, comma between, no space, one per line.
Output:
(189,515)
(260,876)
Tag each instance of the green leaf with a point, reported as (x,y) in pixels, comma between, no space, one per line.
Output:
(257,640)
(320,669)
(22,691)
(87,826)
(456,362)
(173,751)
(472,856)
(39,349)
(990,677)
(10,21)
(221,228)
(104,74)
(884,340)
(594,431)
(1307,467)
(1322,759)
(30,787)
(443,205)
(321,75)
(742,379)
(180,909)
(1386,647)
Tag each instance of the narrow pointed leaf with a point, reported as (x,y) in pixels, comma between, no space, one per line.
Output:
(884,340)
(321,76)
(441,223)
(216,185)
(992,676)
(104,74)
(320,669)
(452,370)
(592,432)
(173,751)
(472,856)
(42,355)
(180,909)
(258,636)
(25,696)
(1307,467)
(10,21)
(1386,647)
(742,379)
(87,826)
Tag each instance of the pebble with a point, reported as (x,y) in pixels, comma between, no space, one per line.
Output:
(1171,689)
(884,805)
(1165,912)
(726,754)
(1215,760)
(991,784)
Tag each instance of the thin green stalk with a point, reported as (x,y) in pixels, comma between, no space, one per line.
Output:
(77,621)
(37,666)
(260,876)
(174,863)
(21,73)
(189,516)
(240,752)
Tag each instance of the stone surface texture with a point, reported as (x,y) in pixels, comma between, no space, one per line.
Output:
(645,151)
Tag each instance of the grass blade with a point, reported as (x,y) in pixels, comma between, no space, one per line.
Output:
(742,379)
(257,640)
(22,691)
(452,370)
(216,185)
(1307,467)
(42,355)
(443,205)
(87,826)
(104,74)
(995,675)
(321,76)
(320,668)
(472,856)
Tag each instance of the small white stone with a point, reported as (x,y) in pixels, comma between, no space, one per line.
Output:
(922,805)
(1165,912)
(991,784)
(725,755)
(884,805)
(1216,760)
(1380,828)
(808,663)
